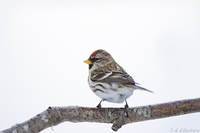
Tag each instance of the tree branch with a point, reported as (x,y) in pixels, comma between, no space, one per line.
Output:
(117,116)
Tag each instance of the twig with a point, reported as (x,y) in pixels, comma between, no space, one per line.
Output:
(117,116)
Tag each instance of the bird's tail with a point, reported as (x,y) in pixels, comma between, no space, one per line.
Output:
(141,88)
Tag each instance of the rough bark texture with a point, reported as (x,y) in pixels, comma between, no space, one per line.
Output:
(117,116)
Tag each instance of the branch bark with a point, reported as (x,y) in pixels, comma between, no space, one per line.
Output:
(117,116)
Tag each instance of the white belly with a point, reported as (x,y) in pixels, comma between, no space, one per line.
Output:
(110,92)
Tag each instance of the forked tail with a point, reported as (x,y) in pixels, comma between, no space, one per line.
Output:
(141,88)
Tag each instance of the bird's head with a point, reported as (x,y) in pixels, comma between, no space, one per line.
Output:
(99,58)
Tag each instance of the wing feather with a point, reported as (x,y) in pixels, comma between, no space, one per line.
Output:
(112,77)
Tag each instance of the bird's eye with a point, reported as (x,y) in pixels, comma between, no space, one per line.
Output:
(96,59)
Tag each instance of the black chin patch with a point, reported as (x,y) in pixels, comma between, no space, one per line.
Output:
(90,66)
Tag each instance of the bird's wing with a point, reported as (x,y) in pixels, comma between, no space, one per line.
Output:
(120,77)
(112,77)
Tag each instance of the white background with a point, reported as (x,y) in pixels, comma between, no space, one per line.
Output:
(43,45)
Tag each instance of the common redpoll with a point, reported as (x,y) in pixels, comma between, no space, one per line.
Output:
(108,80)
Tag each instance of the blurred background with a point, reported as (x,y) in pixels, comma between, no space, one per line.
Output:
(43,45)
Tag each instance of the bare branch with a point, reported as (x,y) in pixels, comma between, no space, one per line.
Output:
(117,116)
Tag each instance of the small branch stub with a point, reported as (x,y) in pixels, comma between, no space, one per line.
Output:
(117,124)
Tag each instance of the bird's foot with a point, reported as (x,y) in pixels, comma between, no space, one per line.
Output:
(126,109)
(99,106)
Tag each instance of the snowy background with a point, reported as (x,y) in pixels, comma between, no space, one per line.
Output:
(43,45)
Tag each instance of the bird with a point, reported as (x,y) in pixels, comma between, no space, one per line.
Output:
(108,80)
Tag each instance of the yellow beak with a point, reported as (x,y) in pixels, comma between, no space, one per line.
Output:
(88,62)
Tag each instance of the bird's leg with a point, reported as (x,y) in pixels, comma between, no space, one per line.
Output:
(126,107)
(99,106)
